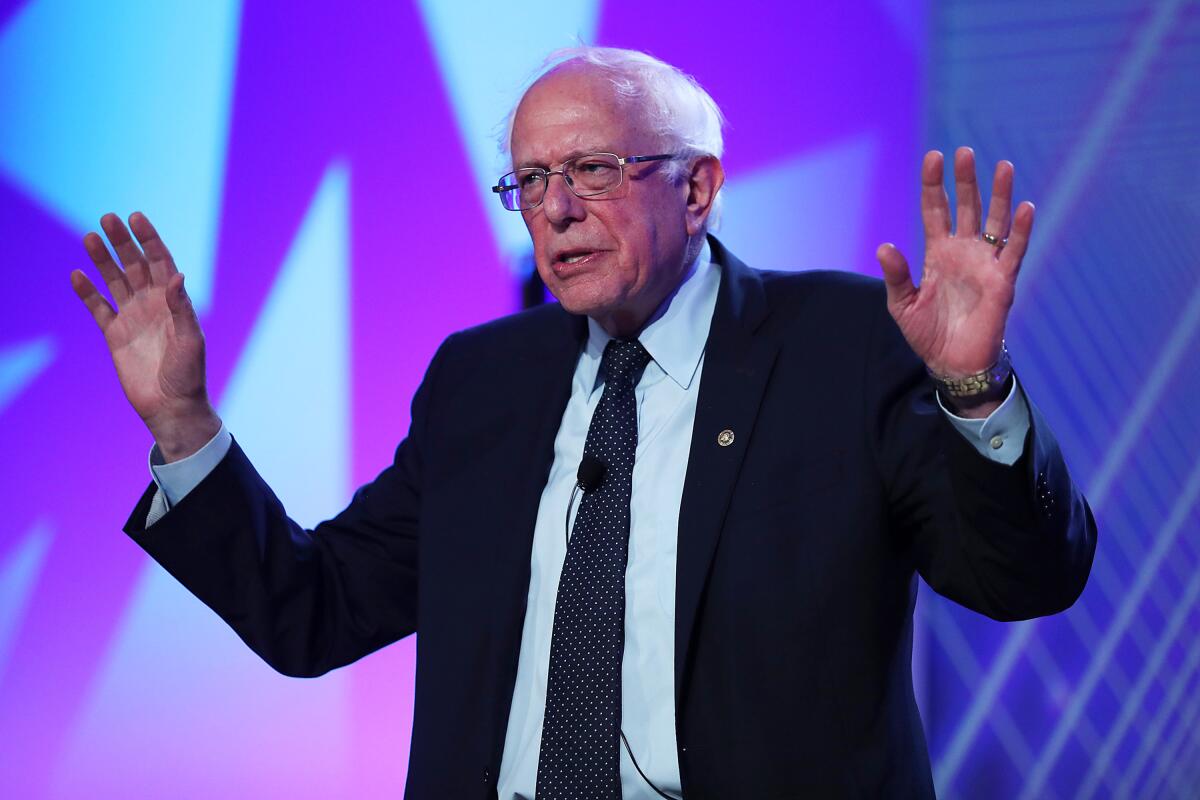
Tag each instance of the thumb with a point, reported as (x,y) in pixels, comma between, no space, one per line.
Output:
(896,276)
(182,312)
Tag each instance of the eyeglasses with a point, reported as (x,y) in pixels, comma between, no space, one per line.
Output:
(586,176)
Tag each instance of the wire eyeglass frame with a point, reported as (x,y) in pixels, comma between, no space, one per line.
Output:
(510,194)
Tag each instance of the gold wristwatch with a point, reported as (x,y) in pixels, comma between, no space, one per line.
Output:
(980,383)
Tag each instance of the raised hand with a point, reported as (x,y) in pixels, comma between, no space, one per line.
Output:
(153,335)
(955,320)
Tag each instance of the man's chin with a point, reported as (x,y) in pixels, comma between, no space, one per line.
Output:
(582,309)
(577,302)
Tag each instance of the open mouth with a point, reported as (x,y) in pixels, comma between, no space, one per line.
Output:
(575,256)
(570,261)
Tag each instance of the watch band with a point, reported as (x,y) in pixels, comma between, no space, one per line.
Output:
(981,382)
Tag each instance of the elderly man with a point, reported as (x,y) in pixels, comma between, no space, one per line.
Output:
(662,538)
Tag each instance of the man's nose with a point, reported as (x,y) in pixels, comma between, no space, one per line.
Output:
(559,202)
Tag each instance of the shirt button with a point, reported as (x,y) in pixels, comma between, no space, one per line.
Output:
(996,443)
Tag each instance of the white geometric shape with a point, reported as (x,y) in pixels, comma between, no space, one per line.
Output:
(18,576)
(288,401)
(198,714)
(121,106)
(20,364)
(803,213)
(486,57)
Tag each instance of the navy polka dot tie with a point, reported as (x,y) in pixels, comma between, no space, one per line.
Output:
(580,755)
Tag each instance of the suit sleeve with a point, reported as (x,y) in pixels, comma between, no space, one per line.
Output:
(306,601)
(1009,541)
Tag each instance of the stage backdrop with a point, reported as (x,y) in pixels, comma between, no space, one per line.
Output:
(275,147)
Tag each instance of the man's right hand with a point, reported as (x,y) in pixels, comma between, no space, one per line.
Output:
(154,338)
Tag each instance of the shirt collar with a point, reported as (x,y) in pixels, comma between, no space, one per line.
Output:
(676,332)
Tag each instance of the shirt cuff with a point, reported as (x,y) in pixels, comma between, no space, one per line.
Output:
(176,479)
(1001,436)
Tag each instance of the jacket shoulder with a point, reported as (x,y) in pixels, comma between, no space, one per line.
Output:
(516,335)
(830,296)
(828,282)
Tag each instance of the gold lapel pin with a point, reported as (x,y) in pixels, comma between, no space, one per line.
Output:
(725,438)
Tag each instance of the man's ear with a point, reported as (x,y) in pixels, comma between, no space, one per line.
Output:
(703,181)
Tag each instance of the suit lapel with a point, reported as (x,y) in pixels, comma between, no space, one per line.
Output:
(540,391)
(737,364)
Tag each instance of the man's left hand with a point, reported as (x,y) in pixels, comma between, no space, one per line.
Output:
(955,320)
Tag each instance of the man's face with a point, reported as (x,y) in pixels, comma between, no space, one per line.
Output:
(617,256)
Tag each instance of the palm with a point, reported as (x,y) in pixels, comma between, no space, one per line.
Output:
(155,365)
(955,320)
(155,340)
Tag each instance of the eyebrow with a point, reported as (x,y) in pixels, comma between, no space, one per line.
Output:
(576,153)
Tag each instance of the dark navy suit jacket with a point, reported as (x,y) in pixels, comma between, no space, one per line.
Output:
(798,554)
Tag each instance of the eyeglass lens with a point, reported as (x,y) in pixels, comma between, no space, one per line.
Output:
(586,176)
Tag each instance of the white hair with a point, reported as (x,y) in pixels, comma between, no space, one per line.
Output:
(678,110)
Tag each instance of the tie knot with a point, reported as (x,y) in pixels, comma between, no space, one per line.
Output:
(623,361)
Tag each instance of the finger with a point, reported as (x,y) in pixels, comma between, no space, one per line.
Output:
(114,276)
(1018,238)
(162,265)
(136,269)
(183,314)
(101,311)
(999,217)
(966,193)
(896,276)
(935,207)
